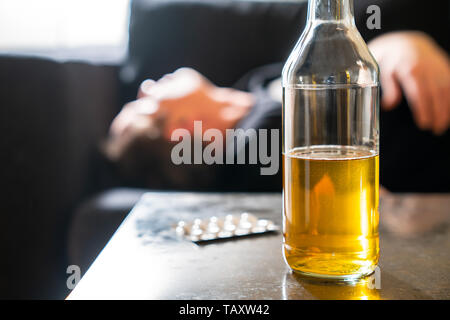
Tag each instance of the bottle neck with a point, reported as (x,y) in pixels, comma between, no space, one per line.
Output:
(338,11)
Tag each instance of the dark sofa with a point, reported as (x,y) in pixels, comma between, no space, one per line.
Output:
(54,114)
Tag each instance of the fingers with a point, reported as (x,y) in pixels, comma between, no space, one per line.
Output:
(131,115)
(417,93)
(122,120)
(429,102)
(232,97)
(439,108)
(446,91)
(145,88)
(391,91)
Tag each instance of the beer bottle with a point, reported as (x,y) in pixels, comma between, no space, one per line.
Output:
(331,147)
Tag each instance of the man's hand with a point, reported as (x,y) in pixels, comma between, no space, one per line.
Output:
(176,101)
(414,63)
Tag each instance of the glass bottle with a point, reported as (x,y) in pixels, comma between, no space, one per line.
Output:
(330,147)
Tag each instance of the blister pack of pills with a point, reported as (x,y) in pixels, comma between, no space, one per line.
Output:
(230,226)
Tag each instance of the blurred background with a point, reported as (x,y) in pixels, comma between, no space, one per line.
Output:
(46,25)
(66,69)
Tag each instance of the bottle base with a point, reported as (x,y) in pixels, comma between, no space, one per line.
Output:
(332,266)
(334,277)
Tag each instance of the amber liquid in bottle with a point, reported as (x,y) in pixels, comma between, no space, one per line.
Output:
(331,210)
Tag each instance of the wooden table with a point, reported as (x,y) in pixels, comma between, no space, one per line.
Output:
(145,259)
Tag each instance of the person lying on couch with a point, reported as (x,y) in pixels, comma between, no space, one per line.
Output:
(412,65)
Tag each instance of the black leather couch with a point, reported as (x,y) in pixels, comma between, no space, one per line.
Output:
(54,114)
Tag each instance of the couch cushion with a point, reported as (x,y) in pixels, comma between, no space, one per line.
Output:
(52,117)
